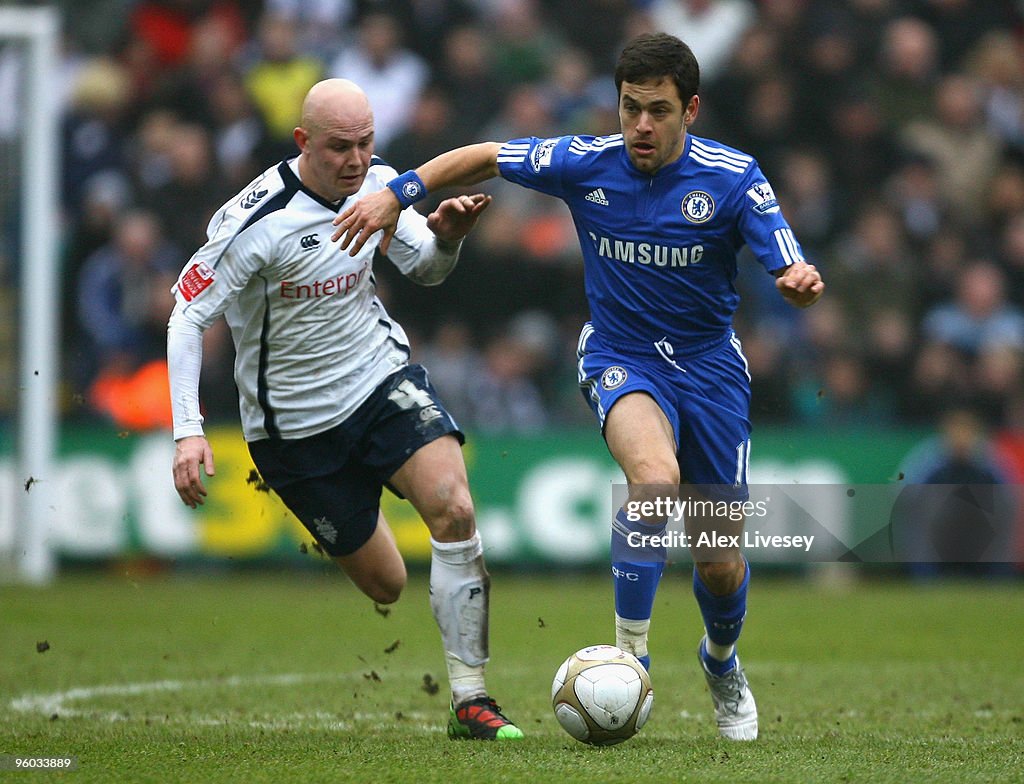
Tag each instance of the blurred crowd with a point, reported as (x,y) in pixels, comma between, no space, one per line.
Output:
(892,131)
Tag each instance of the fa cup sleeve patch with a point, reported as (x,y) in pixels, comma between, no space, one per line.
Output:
(195,281)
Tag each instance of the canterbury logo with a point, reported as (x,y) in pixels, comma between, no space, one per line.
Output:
(252,199)
(597,196)
(310,241)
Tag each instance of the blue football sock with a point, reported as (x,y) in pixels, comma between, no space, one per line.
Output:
(717,667)
(723,618)
(636,570)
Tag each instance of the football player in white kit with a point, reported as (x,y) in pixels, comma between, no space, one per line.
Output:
(331,409)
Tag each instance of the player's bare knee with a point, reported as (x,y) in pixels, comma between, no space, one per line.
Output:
(721,576)
(654,476)
(388,588)
(653,479)
(456,520)
(385,594)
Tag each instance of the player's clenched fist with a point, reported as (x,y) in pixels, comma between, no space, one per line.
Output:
(800,284)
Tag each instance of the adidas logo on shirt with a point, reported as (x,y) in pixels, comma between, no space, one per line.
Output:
(597,196)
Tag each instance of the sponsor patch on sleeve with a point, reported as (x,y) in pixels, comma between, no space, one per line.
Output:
(196,280)
(540,158)
(764,198)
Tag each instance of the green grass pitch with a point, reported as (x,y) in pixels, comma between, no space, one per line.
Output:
(293,676)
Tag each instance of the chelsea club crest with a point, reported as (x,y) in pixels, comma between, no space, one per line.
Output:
(698,206)
(613,377)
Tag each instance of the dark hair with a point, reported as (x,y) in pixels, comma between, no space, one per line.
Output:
(652,56)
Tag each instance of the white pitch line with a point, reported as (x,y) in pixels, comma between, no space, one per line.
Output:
(61,703)
(56,702)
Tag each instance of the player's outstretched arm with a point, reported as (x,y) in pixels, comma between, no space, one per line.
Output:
(800,284)
(189,453)
(379,211)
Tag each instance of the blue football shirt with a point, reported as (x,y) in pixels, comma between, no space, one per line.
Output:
(659,252)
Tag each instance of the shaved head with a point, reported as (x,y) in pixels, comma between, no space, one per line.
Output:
(335,138)
(334,103)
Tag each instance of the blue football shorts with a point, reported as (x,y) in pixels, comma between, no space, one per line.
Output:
(705,396)
(332,481)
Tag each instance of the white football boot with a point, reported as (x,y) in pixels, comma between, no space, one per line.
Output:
(735,710)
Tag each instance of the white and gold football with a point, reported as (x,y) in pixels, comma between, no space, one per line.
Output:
(602,695)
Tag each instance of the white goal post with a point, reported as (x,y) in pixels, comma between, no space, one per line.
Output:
(37,29)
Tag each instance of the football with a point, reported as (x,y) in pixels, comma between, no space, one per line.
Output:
(602,695)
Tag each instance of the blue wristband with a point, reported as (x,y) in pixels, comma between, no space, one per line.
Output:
(409,188)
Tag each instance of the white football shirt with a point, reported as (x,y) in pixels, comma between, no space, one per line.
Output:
(312,340)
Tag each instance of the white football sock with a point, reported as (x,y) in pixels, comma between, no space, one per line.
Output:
(459,592)
(716,651)
(467,683)
(631,635)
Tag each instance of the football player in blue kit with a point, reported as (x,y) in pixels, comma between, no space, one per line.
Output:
(661,216)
